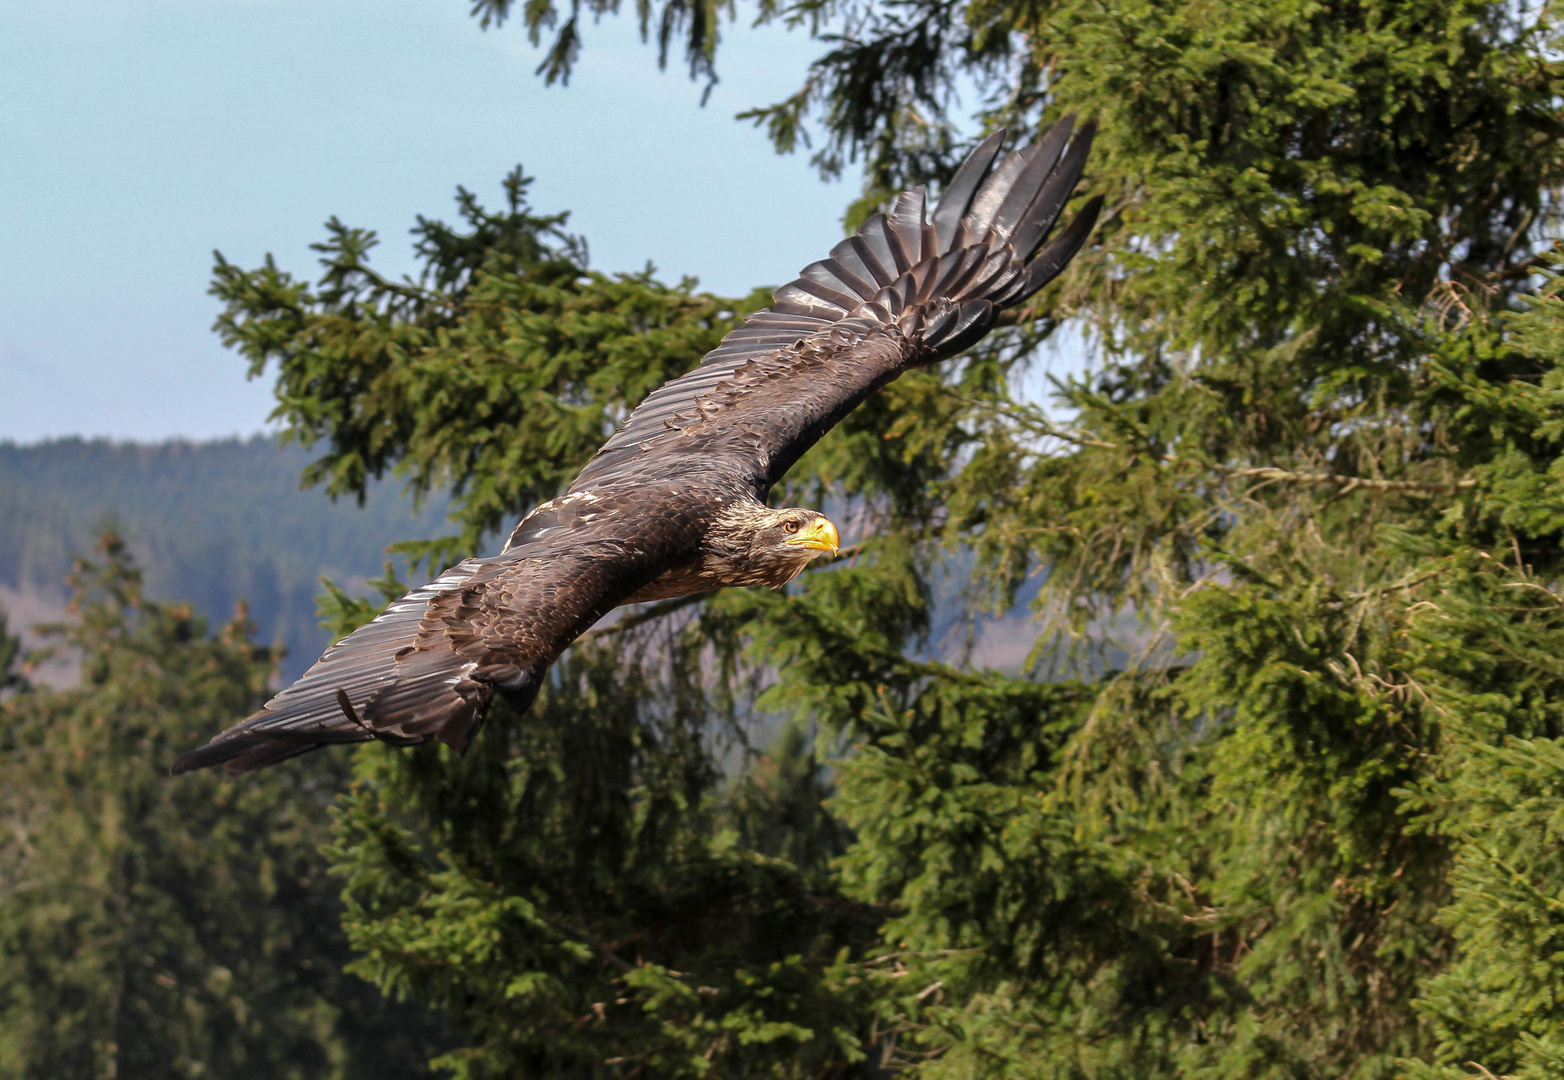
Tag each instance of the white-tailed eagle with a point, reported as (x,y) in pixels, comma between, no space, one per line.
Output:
(675,503)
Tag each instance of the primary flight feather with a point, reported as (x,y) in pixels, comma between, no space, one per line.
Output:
(675,502)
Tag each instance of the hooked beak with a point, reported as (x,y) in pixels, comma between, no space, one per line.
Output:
(819,534)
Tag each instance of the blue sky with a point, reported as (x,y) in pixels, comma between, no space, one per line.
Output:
(136,136)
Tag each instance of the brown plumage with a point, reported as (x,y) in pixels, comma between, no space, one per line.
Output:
(675,502)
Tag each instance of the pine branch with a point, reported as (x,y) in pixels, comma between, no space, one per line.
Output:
(1346,483)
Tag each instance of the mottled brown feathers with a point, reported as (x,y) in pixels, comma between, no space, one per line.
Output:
(674,502)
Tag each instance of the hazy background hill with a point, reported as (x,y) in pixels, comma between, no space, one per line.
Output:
(210,523)
(213,523)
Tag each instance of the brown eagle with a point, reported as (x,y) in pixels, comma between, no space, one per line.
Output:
(675,502)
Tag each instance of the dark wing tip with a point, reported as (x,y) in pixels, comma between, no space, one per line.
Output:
(1052,260)
(1049,198)
(241,753)
(1040,159)
(957,196)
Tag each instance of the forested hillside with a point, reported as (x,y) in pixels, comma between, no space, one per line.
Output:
(208,523)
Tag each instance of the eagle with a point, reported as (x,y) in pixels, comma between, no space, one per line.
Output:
(675,503)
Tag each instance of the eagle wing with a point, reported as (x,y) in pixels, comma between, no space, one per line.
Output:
(904,291)
(427,666)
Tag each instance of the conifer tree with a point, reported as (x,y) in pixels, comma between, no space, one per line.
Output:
(575,890)
(158,929)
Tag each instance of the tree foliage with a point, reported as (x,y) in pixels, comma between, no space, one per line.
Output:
(158,929)
(1276,797)
(493,373)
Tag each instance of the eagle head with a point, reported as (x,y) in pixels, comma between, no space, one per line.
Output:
(761,546)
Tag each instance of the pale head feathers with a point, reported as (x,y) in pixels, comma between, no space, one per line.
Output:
(752,544)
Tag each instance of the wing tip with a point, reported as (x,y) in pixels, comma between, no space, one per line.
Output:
(240,753)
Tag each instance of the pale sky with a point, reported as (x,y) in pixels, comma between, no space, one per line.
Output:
(138,135)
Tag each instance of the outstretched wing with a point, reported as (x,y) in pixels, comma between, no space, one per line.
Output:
(427,666)
(905,291)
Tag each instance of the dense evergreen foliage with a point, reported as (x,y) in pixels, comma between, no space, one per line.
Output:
(1278,796)
(152,929)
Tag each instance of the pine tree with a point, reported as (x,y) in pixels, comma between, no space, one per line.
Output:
(1485,651)
(575,890)
(152,928)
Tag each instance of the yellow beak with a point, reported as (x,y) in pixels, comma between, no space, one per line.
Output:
(819,534)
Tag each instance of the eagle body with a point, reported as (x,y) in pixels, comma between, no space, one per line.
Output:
(675,502)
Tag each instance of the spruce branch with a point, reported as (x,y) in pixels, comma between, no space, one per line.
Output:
(1346,483)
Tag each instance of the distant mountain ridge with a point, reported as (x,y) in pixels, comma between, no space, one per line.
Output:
(210,523)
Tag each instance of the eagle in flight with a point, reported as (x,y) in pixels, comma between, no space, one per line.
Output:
(675,503)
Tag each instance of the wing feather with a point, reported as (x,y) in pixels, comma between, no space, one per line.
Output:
(906,225)
(881,241)
(1039,161)
(777,320)
(952,278)
(804,298)
(957,196)
(840,295)
(1056,256)
(426,667)
(834,275)
(859,254)
(965,328)
(989,198)
(902,286)
(1044,210)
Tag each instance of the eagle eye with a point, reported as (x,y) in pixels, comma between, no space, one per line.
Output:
(790,526)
